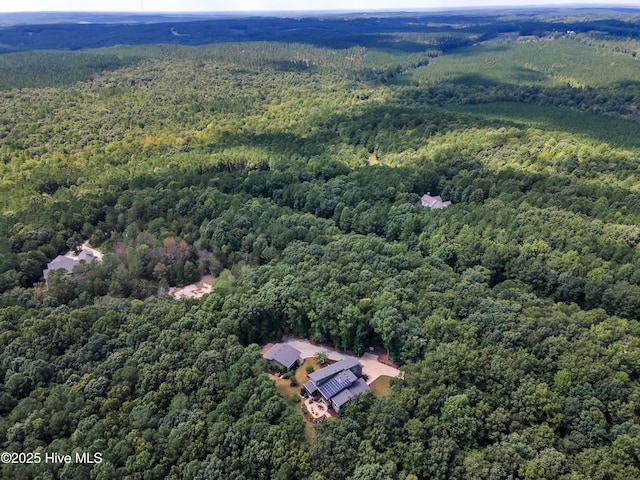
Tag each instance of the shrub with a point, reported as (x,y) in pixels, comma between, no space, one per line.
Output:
(321,358)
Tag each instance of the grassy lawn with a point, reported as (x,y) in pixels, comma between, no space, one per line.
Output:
(381,386)
(287,391)
(309,432)
(284,386)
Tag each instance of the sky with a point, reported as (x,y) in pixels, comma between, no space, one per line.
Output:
(149,6)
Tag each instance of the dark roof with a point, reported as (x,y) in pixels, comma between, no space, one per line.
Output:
(310,386)
(338,383)
(325,373)
(284,354)
(359,386)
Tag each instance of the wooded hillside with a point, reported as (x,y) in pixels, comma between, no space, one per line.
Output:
(292,171)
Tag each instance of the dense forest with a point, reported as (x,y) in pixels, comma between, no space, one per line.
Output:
(289,163)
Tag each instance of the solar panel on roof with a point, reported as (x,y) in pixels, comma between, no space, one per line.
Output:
(331,388)
(337,384)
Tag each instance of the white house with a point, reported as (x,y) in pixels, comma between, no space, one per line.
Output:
(434,202)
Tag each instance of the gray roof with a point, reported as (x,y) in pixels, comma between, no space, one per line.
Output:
(67,262)
(325,373)
(310,386)
(59,262)
(359,386)
(86,255)
(284,354)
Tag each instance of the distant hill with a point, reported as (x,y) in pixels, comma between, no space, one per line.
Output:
(75,31)
(47,18)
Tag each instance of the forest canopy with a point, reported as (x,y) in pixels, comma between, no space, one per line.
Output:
(290,167)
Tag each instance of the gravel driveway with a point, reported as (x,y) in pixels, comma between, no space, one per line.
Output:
(371,367)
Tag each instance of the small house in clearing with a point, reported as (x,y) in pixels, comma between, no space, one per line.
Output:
(69,260)
(338,383)
(434,202)
(284,356)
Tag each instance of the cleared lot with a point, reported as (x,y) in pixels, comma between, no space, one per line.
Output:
(371,367)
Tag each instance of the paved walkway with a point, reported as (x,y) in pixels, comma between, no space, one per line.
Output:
(371,367)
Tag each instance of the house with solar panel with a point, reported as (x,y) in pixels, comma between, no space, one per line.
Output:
(336,384)
(283,356)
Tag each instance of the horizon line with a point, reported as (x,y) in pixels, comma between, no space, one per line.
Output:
(518,6)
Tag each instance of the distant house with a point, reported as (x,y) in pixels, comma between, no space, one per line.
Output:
(434,202)
(283,355)
(338,383)
(69,260)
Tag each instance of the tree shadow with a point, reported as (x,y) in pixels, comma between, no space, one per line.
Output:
(578,111)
